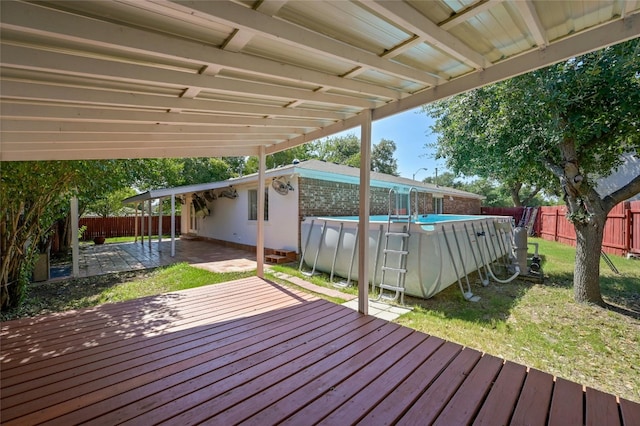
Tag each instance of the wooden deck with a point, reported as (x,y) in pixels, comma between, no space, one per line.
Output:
(253,352)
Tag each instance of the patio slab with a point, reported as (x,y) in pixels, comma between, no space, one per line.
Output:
(110,258)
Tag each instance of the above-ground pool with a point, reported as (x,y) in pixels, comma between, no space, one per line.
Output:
(424,254)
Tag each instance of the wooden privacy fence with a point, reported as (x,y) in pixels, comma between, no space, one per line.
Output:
(621,232)
(123,226)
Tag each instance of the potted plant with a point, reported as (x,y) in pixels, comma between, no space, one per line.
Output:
(98,240)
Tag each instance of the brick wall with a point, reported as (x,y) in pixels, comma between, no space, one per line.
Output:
(323,198)
(461,205)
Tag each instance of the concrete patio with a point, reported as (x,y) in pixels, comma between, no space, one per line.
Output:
(110,258)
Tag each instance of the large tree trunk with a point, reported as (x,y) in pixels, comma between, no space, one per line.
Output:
(586,281)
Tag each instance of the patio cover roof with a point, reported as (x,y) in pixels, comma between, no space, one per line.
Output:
(312,169)
(135,79)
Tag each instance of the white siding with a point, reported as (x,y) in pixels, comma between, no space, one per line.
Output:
(229,219)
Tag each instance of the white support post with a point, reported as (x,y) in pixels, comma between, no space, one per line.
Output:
(142,224)
(363,222)
(173,225)
(260,236)
(135,221)
(75,244)
(150,224)
(159,223)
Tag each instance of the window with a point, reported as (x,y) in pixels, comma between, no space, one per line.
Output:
(253,204)
(402,203)
(438,205)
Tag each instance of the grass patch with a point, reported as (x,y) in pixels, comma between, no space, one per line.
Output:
(319,279)
(91,291)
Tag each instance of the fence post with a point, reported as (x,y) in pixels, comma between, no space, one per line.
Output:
(628,228)
(555,231)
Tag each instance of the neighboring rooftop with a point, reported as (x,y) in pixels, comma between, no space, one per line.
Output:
(312,169)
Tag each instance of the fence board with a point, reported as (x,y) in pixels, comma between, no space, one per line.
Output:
(110,227)
(621,232)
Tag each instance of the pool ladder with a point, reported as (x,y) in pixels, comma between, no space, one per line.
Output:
(388,291)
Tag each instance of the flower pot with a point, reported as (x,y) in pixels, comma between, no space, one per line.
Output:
(98,240)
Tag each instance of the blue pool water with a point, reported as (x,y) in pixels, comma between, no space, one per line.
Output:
(428,219)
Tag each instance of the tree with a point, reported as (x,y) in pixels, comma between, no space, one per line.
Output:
(340,150)
(33,196)
(382,159)
(282,158)
(346,150)
(559,128)
(111,203)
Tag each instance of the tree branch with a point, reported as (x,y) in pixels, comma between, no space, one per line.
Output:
(624,193)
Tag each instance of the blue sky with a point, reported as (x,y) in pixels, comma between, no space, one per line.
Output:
(410,131)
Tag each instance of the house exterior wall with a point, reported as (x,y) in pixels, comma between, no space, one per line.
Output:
(323,198)
(229,222)
(461,205)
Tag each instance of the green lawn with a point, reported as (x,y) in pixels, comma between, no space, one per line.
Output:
(535,324)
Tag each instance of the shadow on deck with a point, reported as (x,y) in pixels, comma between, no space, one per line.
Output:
(250,351)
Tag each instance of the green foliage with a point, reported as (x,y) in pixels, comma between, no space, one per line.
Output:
(282,158)
(513,131)
(340,150)
(33,196)
(382,159)
(111,203)
(559,128)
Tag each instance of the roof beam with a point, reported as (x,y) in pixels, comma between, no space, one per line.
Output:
(240,37)
(69,127)
(530,15)
(420,25)
(106,153)
(579,44)
(46,61)
(74,138)
(53,93)
(64,113)
(55,25)
(241,17)
(467,13)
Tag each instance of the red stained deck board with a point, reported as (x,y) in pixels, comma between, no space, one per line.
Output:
(124,358)
(567,403)
(292,375)
(205,380)
(463,406)
(217,396)
(119,323)
(95,386)
(601,408)
(437,395)
(24,330)
(126,349)
(404,395)
(254,351)
(532,407)
(353,409)
(330,380)
(335,394)
(630,412)
(501,401)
